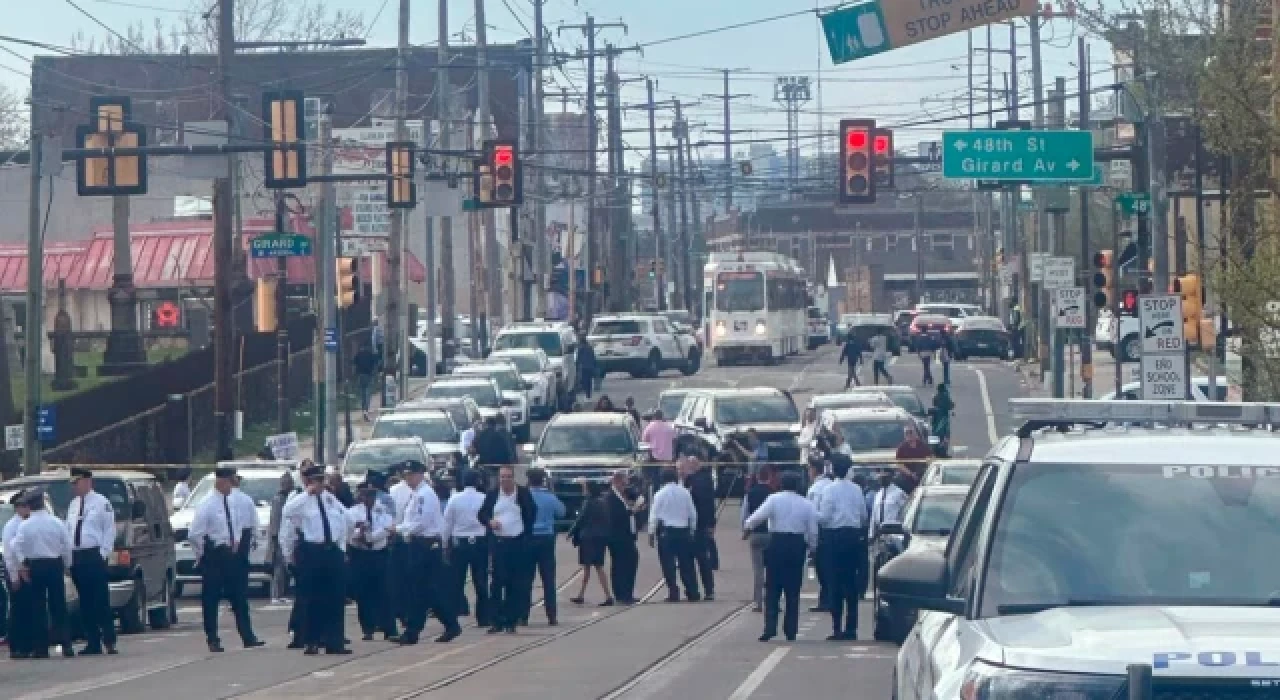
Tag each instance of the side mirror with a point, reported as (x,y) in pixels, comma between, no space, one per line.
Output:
(919,580)
(138,511)
(892,529)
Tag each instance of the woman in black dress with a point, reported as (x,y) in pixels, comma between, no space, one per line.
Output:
(589,534)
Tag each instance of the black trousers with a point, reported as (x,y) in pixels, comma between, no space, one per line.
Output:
(428,586)
(927,363)
(705,556)
(471,554)
(321,594)
(784,572)
(47,593)
(675,551)
(820,568)
(223,574)
(851,379)
(369,569)
(542,563)
(89,573)
(623,560)
(19,629)
(506,590)
(397,578)
(845,550)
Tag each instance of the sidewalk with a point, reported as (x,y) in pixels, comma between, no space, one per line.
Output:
(1104,367)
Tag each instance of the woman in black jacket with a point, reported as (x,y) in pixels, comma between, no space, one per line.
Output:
(590,534)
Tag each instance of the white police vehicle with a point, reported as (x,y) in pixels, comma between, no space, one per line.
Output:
(1092,549)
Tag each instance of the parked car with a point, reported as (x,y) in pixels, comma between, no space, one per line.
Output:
(1132,391)
(482,390)
(515,392)
(819,328)
(642,345)
(903,397)
(555,338)
(928,326)
(382,453)
(576,448)
(951,472)
(867,326)
(536,369)
(142,571)
(462,409)
(710,419)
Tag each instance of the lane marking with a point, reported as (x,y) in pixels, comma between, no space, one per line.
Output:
(753,681)
(992,433)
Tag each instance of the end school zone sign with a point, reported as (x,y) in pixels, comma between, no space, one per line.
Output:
(913,21)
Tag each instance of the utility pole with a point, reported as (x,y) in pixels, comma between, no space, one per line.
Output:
(659,248)
(541,251)
(728,136)
(326,433)
(493,262)
(919,241)
(1046,334)
(223,210)
(444,91)
(676,211)
(479,277)
(691,278)
(282,326)
(34,331)
(680,127)
(614,251)
(1057,243)
(393,321)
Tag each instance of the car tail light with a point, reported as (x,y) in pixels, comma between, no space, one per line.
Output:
(120,557)
(636,340)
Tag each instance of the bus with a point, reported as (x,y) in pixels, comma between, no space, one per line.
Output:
(755,306)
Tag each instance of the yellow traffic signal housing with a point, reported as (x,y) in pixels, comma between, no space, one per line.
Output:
(347,286)
(1104,285)
(402,193)
(286,159)
(110,127)
(264,305)
(1188,287)
(857,166)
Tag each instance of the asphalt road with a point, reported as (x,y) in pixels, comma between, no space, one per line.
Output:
(651,650)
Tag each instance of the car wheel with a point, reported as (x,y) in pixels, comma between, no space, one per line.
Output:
(1130,348)
(693,364)
(166,617)
(132,614)
(654,365)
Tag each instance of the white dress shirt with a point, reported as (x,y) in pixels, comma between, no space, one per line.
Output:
(787,512)
(422,517)
(364,532)
(506,510)
(465,439)
(673,507)
(302,513)
(42,536)
(400,494)
(887,507)
(99,528)
(460,515)
(211,521)
(11,561)
(843,505)
(816,490)
(181,492)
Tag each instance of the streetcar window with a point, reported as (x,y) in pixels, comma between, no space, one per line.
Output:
(740,291)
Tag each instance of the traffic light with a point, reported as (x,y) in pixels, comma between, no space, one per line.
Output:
(882,158)
(347,286)
(402,193)
(109,127)
(653,269)
(286,160)
(1103,284)
(857,178)
(503,159)
(746,168)
(1129,301)
(1188,287)
(264,305)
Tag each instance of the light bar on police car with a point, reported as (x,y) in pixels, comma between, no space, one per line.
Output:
(1168,412)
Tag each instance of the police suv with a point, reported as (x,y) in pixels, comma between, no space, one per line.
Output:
(1106,540)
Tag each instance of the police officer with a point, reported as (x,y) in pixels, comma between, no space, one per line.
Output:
(314,538)
(221,537)
(819,481)
(793,526)
(467,546)
(842,518)
(20,605)
(426,573)
(369,528)
(672,521)
(377,480)
(509,512)
(43,548)
(92,525)
(542,555)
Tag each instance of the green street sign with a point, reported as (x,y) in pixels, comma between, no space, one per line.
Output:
(280,245)
(1024,156)
(855,32)
(1099,178)
(878,26)
(1131,203)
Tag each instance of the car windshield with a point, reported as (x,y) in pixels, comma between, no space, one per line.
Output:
(670,405)
(680,316)
(617,328)
(261,488)
(362,458)
(907,401)
(868,435)
(527,364)
(815,312)
(736,410)
(457,411)
(429,427)
(936,514)
(507,379)
(586,439)
(959,476)
(483,393)
(114,489)
(1163,543)
(740,291)
(549,341)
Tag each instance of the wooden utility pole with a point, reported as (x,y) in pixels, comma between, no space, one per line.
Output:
(393,320)
(444,93)
(223,210)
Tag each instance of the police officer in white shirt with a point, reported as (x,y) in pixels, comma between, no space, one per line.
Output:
(400,494)
(221,537)
(467,546)
(369,524)
(673,520)
(842,518)
(509,512)
(20,605)
(819,481)
(888,505)
(43,546)
(427,575)
(793,526)
(314,538)
(92,524)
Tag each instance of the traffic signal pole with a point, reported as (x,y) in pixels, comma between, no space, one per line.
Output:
(1086,347)
(35,316)
(660,285)
(282,327)
(223,208)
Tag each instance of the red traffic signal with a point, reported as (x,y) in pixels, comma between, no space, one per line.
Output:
(1129,301)
(857,167)
(856,139)
(881,144)
(882,147)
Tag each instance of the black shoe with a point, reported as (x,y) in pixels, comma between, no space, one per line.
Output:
(295,644)
(673,599)
(393,638)
(496,629)
(254,644)
(67,652)
(91,651)
(111,650)
(216,647)
(366,638)
(510,629)
(312,650)
(607,603)
(766,636)
(694,597)
(819,609)
(791,638)
(835,637)
(19,655)
(45,654)
(408,639)
(339,651)
(551,620)
(849,637)
(577,601)
(710,596)
(449,636)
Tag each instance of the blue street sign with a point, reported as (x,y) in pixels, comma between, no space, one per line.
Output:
(46,422)
(331,339)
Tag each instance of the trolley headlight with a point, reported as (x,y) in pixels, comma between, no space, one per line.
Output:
(720,328)
(760,328)
(985,681)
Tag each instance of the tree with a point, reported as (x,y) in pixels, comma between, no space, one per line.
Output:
(13,120)
(256,20)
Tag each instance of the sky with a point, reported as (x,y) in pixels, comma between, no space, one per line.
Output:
(921,82)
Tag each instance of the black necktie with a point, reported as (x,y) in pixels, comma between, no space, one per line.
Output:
(80,522)
(324,519)
(231,531)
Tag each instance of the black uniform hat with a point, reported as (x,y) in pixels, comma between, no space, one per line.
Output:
(34,498)
(224,472)
(376,479)
(19,498)
(314,471)
(413,466)
(78,473)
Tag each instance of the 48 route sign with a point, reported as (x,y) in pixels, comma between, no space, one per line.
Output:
(1023,156)
(881,25)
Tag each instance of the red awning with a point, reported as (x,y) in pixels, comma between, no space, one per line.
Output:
(59,260)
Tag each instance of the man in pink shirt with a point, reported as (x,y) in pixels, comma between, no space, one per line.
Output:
(661,436)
